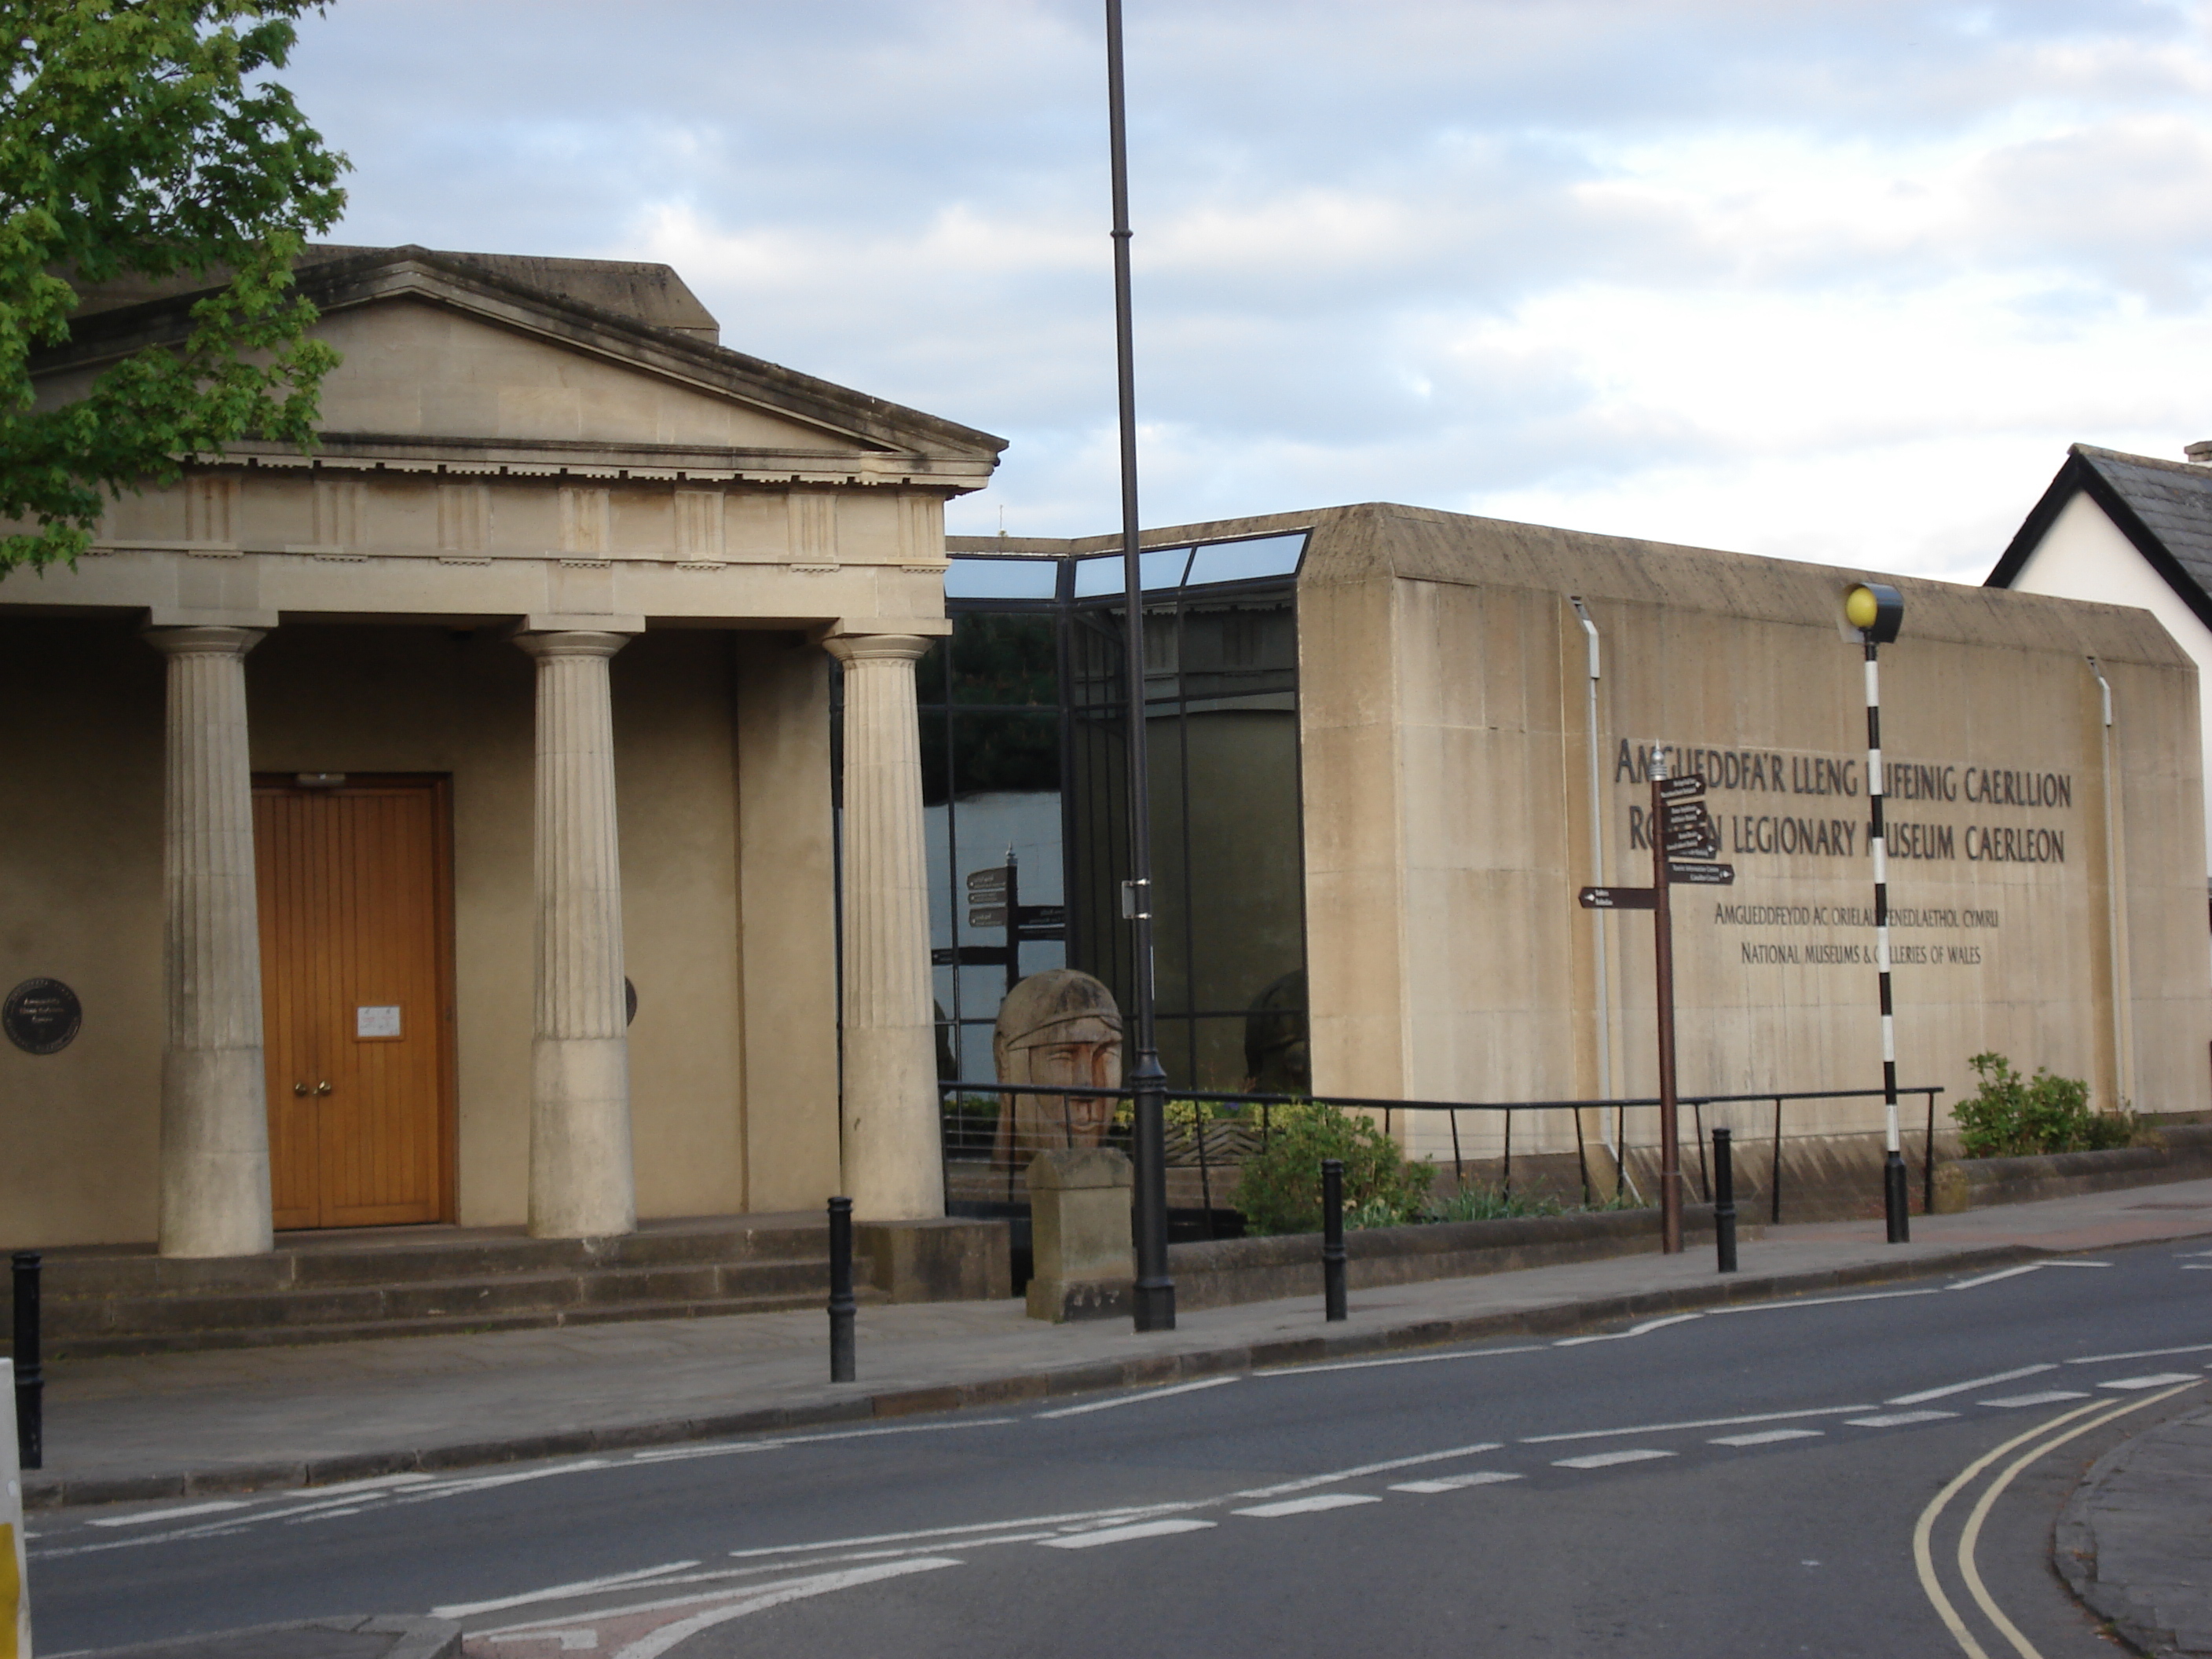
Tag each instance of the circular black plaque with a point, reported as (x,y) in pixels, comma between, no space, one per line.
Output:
(42,1016)
(629,1000)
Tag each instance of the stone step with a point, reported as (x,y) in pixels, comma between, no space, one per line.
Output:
(150,1342)
(68,1317)
(359,1259)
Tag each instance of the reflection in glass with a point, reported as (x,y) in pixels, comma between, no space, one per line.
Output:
(1002,579)
(1244,561)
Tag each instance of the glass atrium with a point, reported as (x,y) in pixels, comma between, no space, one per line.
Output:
(1023,765)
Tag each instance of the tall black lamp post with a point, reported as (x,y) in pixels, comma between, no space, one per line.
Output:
(1876,611)
(1154,1308)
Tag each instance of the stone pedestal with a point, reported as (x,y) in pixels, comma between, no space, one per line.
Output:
(1084,1265)
(580,1180)
(947,1259)
(214,1109)
(893,1167)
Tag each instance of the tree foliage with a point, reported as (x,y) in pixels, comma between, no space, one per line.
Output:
(142,138)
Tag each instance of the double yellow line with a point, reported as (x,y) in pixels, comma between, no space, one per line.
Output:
(2098,1412)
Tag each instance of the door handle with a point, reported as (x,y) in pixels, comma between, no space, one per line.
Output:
(322,1088)
(299,1088)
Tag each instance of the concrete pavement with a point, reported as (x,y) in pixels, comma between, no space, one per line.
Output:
(166,1425)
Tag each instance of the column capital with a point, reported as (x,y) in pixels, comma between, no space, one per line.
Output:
(205,641)
(571,642)
(878,647)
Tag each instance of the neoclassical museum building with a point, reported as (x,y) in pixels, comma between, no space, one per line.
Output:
(438,826)
(589,787)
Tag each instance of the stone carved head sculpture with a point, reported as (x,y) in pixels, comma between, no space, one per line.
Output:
(1059,1026)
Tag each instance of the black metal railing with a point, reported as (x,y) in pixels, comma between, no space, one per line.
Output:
(971,1133)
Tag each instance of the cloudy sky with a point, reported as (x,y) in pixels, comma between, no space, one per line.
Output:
(1829,281)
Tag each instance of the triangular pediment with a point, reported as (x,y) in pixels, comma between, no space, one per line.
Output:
(439,347)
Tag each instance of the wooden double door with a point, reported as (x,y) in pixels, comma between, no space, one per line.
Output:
(356,900)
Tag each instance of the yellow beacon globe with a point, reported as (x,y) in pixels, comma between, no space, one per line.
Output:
(1860,608)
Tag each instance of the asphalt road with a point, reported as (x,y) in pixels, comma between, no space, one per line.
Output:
(1747,1482)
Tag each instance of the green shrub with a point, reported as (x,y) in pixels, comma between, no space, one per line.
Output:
(1280,1191)
(1491,1203)
(2012,1116)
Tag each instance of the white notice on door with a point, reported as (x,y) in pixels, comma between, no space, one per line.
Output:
(376,1022)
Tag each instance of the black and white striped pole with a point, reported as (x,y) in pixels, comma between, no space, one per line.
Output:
(1876,611)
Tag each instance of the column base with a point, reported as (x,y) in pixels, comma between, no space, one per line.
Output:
(215,1153)
(581,1180)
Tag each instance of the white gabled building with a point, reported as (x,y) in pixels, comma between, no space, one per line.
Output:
(2126,530)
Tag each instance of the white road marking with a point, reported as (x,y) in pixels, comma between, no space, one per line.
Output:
(1706,1423)
(1457,1482)
(487,1482)
(1312,1505)
(571,1641)
(2140,1353)
(1312,1480)
(1137,1399)
(2197,1267)
(1963,1387)
(730,1449)
(1991,1279)
(1634,1330)
(1607,1460)
(668,1635)
(729,1603)
(951,1536)
(348,1488)
(2048,1397)
(151,1516)
(2072,1262)
(1769,1436)
(319,1513)
(1819,1301)
(555,1592)
(1898,1420)
(2158,1381)
(1083,1541)
(1409,1360)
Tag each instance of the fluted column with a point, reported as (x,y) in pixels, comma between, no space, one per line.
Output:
(215,1108)
(892,1167)
(580,1180)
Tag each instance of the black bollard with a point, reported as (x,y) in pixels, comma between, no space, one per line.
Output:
(1725,1198)
(841,1305)
(30,1378)
(1332,1236)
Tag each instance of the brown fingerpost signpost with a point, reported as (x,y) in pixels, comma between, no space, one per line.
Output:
(1684,840)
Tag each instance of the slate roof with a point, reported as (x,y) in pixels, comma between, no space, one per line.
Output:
(2164,508)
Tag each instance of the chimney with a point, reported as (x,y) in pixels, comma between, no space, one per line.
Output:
(2200,452)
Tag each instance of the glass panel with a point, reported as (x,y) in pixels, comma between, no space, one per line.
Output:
(1004,661)
(1244,561)
(1098,577)
(1002,579)
(994,753)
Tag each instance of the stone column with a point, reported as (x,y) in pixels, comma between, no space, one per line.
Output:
(580,1180)
(215,1104)
(892,1167)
